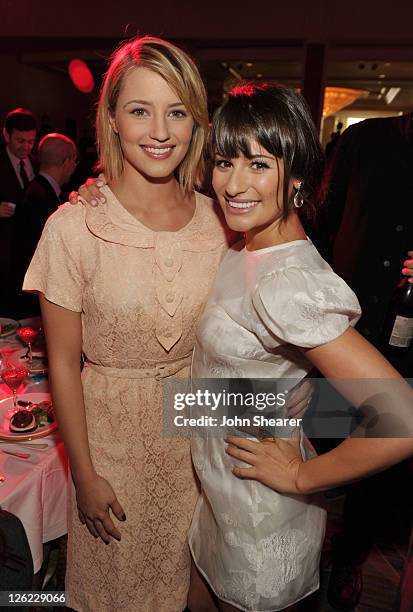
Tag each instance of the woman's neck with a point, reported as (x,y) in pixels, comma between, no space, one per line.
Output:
(160,204)
(136,191)
(277,233)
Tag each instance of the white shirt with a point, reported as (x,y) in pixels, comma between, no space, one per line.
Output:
(16,165)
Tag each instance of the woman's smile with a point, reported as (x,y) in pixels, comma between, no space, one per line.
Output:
(158,152)
(237,206)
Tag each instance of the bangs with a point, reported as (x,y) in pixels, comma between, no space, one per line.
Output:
(278,119)
(230,141)
(235,126)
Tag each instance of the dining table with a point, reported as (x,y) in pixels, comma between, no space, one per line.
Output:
(34,485)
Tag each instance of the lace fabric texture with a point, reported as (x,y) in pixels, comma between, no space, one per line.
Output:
(262,549)
(140,294)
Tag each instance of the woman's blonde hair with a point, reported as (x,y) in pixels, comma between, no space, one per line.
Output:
(181,74)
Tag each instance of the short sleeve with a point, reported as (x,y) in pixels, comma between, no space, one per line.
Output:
(54,270)
(306,308)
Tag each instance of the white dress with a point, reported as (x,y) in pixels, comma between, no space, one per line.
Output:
(260,550)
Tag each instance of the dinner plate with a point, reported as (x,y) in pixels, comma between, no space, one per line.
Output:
(39,363)
(8,327)
(7,409)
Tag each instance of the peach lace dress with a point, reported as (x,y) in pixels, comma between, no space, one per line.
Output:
(141,294)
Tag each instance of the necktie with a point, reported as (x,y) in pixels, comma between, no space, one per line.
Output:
(23,174)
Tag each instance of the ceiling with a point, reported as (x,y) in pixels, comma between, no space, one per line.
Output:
(389,83)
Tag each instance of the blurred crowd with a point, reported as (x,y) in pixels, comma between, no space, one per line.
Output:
(38,168)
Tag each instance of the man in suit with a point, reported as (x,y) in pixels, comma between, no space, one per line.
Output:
(365,232)
(57,158)
(366,229)
(17,169)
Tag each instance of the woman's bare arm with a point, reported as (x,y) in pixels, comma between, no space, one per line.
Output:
(64,344)
(364,377)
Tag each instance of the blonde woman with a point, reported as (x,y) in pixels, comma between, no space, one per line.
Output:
(126,283)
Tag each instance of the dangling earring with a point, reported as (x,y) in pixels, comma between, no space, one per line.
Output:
(298,198)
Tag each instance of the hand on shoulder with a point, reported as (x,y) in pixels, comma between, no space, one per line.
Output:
(90,192)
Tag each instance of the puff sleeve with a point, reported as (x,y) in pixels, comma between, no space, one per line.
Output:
(55,267)
(304,307)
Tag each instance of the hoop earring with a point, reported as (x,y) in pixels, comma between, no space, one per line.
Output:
(298,197)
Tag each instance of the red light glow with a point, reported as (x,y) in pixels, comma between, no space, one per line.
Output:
(248,89)
(81,76)
(243,90)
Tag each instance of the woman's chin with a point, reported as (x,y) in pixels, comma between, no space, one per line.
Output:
(237,224)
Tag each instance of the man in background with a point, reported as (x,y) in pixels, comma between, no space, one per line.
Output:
(17,169)
(57,158)
(366,232)
(334,139)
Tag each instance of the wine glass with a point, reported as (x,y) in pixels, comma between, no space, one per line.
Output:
(28,335)
(13,374)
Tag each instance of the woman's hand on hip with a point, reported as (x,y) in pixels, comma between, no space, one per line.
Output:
(95,498)
(274,462)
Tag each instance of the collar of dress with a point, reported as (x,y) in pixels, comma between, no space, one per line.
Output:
(112,223)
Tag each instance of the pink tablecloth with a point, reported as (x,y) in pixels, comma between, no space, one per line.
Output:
(35,489)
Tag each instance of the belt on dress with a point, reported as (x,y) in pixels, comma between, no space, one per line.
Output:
(158,372)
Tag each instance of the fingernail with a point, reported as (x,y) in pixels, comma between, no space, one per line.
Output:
(93,202)
(99,183)
(102,200)
(123,517)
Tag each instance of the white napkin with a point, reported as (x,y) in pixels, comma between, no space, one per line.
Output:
(30,446)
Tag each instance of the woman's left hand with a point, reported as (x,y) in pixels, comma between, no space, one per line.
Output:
(408,267)
(274,462)
(300,399)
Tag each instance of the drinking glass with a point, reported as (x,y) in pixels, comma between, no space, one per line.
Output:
(28,335)
(13,374)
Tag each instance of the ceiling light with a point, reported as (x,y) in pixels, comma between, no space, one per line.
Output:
(391,94)
(81,76)
(336,98)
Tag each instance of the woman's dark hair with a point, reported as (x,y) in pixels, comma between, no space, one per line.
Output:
(278,119)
